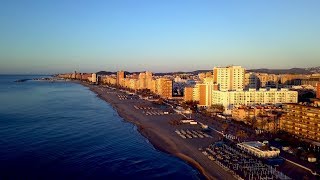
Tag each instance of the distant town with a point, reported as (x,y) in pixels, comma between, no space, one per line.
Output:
(267,124)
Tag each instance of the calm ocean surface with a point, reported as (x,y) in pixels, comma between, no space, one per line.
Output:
(63,131)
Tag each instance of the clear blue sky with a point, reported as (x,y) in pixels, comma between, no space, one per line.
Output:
(159,35)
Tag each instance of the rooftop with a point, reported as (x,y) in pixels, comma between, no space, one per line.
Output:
(259,146)
(311,105)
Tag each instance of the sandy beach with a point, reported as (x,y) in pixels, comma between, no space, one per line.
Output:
(161,134)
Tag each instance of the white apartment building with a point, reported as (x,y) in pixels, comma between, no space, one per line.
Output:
(94,78)
(231,99)
(196,92)
(202,92)
(142,81)
(227,88)
(229,78)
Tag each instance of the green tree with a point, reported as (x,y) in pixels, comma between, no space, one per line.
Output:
(241,134)
(217,108)
(193,105)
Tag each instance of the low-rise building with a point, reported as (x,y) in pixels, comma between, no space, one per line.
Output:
(261,117)
(259,149)
(313,80)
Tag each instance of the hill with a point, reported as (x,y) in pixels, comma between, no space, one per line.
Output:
(288,71)
(262,70)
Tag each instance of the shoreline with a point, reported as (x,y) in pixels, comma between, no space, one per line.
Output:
(159,139)
(145,133)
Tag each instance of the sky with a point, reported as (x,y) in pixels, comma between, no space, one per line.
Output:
(59,36)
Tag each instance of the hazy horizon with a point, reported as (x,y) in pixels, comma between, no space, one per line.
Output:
(47,37)
(142,70)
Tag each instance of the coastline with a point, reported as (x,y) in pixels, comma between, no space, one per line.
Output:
(158,135)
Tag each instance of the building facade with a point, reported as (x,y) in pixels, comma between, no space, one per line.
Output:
(231,99)
(229,78)
(302,121)
(142,81)
(188,94)
(120,76)
(164,87)
(94,78)
(251,81)
(313,80)
(318,90)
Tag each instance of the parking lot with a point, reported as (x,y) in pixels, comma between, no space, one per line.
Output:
(240,164)
(141,107)
(188,133)
(122,97)
(151,111)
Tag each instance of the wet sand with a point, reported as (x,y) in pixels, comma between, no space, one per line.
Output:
(161,134)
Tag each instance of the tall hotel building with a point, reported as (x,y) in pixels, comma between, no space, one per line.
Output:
(229,78)
(94,78)
(164,88)
(188,94)
(142,81)
(227,88)
(203,91)
(120,76)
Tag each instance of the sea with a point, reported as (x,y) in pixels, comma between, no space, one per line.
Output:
(62,130)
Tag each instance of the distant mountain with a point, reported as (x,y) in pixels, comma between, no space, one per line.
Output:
(262,70)
(314,69)
(183,72)
(287,71)
(105,73)
(109,73)
(157,74)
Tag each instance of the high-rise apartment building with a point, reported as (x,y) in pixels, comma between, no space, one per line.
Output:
(148,75)
(251,81)
(164,87)
(226,87)
(188,94)
(149,84)
(302,121)
(94,78)
(229,78)
(205,91)
(152,86)
(267,80)
(134,84)
(145,80)
(120,76)
(142,81)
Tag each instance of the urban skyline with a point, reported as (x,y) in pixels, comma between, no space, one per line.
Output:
(40,37)
(167,89)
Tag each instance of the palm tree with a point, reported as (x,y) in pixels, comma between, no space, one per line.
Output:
(241,134)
